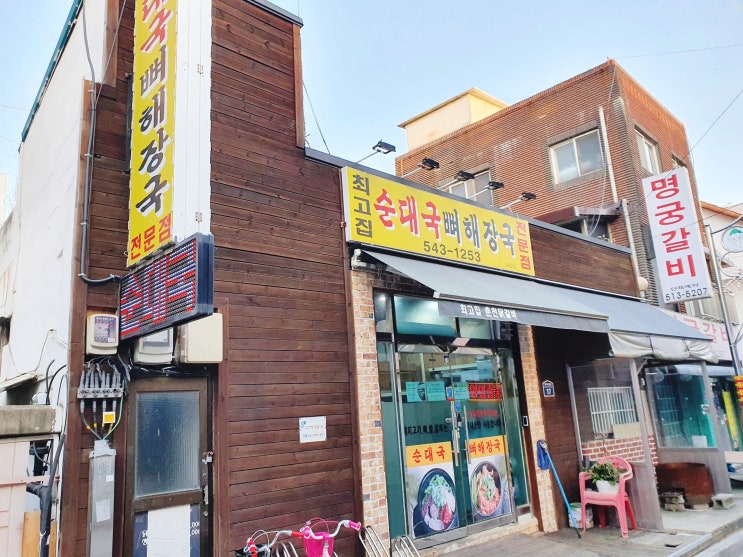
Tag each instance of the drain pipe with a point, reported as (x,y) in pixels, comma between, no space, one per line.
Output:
(89,172)
(615,198)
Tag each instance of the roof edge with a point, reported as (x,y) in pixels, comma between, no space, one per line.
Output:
(61,44)
(474,91)
(276,10)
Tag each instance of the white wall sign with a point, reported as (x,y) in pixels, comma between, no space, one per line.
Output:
(732,239)
(682,268)
(312,429)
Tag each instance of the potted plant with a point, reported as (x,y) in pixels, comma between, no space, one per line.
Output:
(606,476)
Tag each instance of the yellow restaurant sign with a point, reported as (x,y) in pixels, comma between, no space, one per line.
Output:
(430,453)
(384,213)
(153,125)
(488,446)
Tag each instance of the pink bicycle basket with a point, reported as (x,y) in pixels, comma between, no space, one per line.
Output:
(321,528)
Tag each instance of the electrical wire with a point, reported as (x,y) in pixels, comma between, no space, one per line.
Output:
(89,168)
(312,109)
(605,165)
(680,51)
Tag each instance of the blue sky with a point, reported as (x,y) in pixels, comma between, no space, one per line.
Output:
(368,66)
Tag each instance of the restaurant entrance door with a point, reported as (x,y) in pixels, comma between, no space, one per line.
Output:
(457,470)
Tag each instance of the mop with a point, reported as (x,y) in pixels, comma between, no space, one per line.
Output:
(544,460)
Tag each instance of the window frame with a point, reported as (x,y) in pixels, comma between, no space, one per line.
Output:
(648,151)
(576,156)
(610,406)
(468,184)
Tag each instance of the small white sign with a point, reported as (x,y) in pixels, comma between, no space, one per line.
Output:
(312,429)
(548,389)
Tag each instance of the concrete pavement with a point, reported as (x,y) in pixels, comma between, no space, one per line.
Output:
(705,533)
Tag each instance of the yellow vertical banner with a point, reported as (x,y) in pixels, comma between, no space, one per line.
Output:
(153,126)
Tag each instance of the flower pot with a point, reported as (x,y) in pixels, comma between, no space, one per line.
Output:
(605,487)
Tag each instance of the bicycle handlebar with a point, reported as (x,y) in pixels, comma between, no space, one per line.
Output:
(307,532)
(252,549)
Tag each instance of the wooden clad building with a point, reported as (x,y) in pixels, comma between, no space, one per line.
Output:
(279,282)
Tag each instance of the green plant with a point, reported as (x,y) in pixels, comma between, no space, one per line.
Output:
(606,471)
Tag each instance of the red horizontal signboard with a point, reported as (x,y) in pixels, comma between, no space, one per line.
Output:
(174,288)
(485,391)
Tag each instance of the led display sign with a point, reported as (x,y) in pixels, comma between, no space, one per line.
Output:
(174,288)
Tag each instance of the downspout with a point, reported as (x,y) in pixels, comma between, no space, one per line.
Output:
(615,198)
(89,173)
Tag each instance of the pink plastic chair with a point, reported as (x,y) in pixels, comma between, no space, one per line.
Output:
(618,500)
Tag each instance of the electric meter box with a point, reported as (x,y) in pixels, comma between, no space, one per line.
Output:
(155,348)
(200,341)
(102,334)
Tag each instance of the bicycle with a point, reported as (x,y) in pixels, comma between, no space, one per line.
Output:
(317,542)
(254,549)
(320,544)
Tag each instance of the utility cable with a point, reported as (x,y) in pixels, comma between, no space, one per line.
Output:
(680,51)
(312,109)
(89,170)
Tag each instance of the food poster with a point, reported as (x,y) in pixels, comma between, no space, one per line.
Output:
(489,480)
(432,501)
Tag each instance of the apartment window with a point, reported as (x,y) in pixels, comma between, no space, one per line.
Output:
(611,406)
(677,163)
(648,153)
(576,157)
(590,226)
(469,188)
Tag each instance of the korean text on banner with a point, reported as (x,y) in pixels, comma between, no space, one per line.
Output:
(385,213)
(682,268)
(153,125)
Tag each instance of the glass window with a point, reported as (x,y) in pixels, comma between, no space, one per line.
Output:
(415,316)
(576,157)
(681,410)
(648,153)
(382,317)
(610,406)
(677,163)
(475,328)
(167,442)
(470,188)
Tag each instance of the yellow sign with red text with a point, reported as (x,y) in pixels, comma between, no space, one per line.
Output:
(488,446)
(425,455)
(153,126)
(381,212)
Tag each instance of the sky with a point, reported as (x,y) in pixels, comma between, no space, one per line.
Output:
(368,66)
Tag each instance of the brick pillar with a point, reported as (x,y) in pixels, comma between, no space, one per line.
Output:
(371,441)
(533,390)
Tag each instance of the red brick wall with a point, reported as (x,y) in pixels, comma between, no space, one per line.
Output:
(514,144)
(629,449)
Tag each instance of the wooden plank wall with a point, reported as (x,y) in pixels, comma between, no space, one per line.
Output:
(280,269)
(108,226)
(279,262)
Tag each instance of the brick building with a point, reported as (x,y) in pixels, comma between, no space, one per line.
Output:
(582,146)
(580,149)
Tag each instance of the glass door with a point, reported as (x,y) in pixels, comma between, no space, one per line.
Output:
(456,467)
(168,458)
